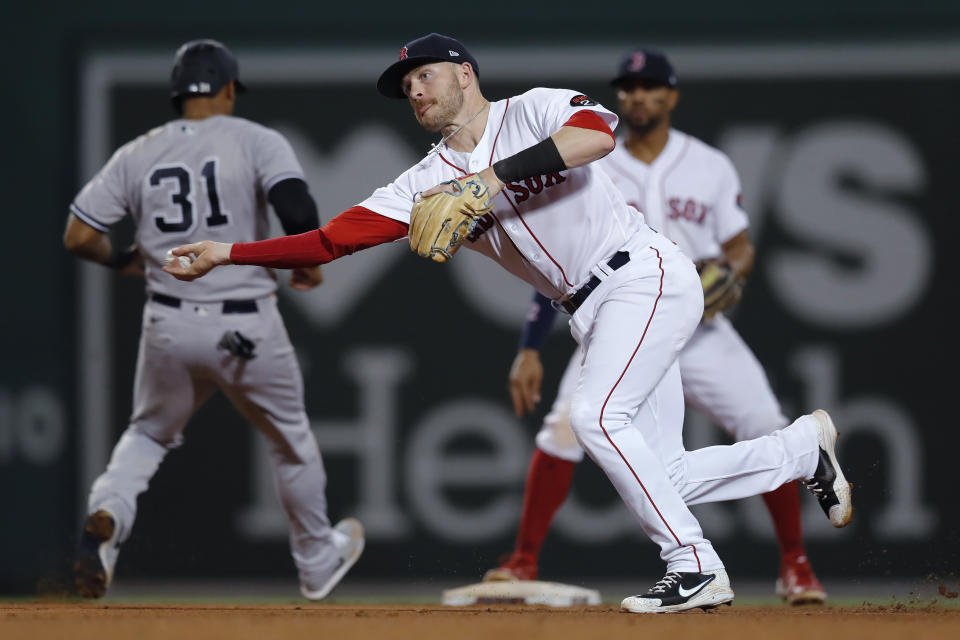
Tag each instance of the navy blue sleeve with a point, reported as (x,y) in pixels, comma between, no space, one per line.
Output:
(539,322)
(294,206)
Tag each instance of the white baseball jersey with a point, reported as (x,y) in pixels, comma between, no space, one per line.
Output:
(549,230)
(191,180)
(689,193)
(626,408)
(554,231)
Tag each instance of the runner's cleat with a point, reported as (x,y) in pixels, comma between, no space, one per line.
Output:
(797,583)
(97,555)
(517,567)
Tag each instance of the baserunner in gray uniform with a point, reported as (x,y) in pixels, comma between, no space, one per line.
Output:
(207,174)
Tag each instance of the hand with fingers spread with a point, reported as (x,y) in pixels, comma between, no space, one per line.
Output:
(206,255)
(526,376)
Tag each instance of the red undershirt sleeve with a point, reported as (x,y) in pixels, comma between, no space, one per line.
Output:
(586,119)
(355,229)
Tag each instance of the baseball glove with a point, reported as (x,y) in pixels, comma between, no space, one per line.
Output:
(440,223)
(721,287)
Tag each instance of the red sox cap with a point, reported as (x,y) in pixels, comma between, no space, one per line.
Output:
(646,64)
(429,48)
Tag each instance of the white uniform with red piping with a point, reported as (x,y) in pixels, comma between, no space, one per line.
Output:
(521,234)
(556,232)
(690,193)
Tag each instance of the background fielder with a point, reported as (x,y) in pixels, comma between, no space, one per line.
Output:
(635,298)
(690,192)
(207,174)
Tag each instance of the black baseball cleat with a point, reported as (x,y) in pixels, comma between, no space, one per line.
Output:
(679,591)
(828,485)
(97,555)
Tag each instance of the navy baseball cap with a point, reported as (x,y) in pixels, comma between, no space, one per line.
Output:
(646,64)
(202,68)
(430,48)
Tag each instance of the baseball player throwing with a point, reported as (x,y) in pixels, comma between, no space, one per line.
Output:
(515,180)
(690,192)
(207,174)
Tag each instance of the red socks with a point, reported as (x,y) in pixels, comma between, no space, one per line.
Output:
(784,507)
(548,483)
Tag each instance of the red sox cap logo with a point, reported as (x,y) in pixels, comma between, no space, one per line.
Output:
(637,61)
(403,53)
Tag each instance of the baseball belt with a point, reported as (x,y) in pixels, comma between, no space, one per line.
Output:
(229,306)
(571,304)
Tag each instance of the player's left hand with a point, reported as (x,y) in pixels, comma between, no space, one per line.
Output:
(206,255)
(526,376)
(306,278)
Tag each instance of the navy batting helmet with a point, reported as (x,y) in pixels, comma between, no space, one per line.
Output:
(202,68)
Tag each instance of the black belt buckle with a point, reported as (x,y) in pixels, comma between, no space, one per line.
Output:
(571,304)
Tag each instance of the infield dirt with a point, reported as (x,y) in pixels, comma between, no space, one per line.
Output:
(72,621)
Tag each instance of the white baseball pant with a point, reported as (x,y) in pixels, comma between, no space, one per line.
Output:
(178,367)
(627,407)
(721,377)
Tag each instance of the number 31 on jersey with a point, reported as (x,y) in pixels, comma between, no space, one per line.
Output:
(181,177)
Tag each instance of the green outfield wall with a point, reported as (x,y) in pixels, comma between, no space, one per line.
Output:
(839,117)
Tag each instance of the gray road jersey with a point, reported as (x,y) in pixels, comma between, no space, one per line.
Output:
(192,180)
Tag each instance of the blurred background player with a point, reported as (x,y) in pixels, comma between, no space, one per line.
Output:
(690,192)
(207,174)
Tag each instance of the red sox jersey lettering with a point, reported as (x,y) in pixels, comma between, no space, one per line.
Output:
(690,193)
(483,224)
(548,230)
(687,209)
(534,185)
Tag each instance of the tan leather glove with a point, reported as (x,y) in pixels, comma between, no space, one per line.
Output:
(440,223)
